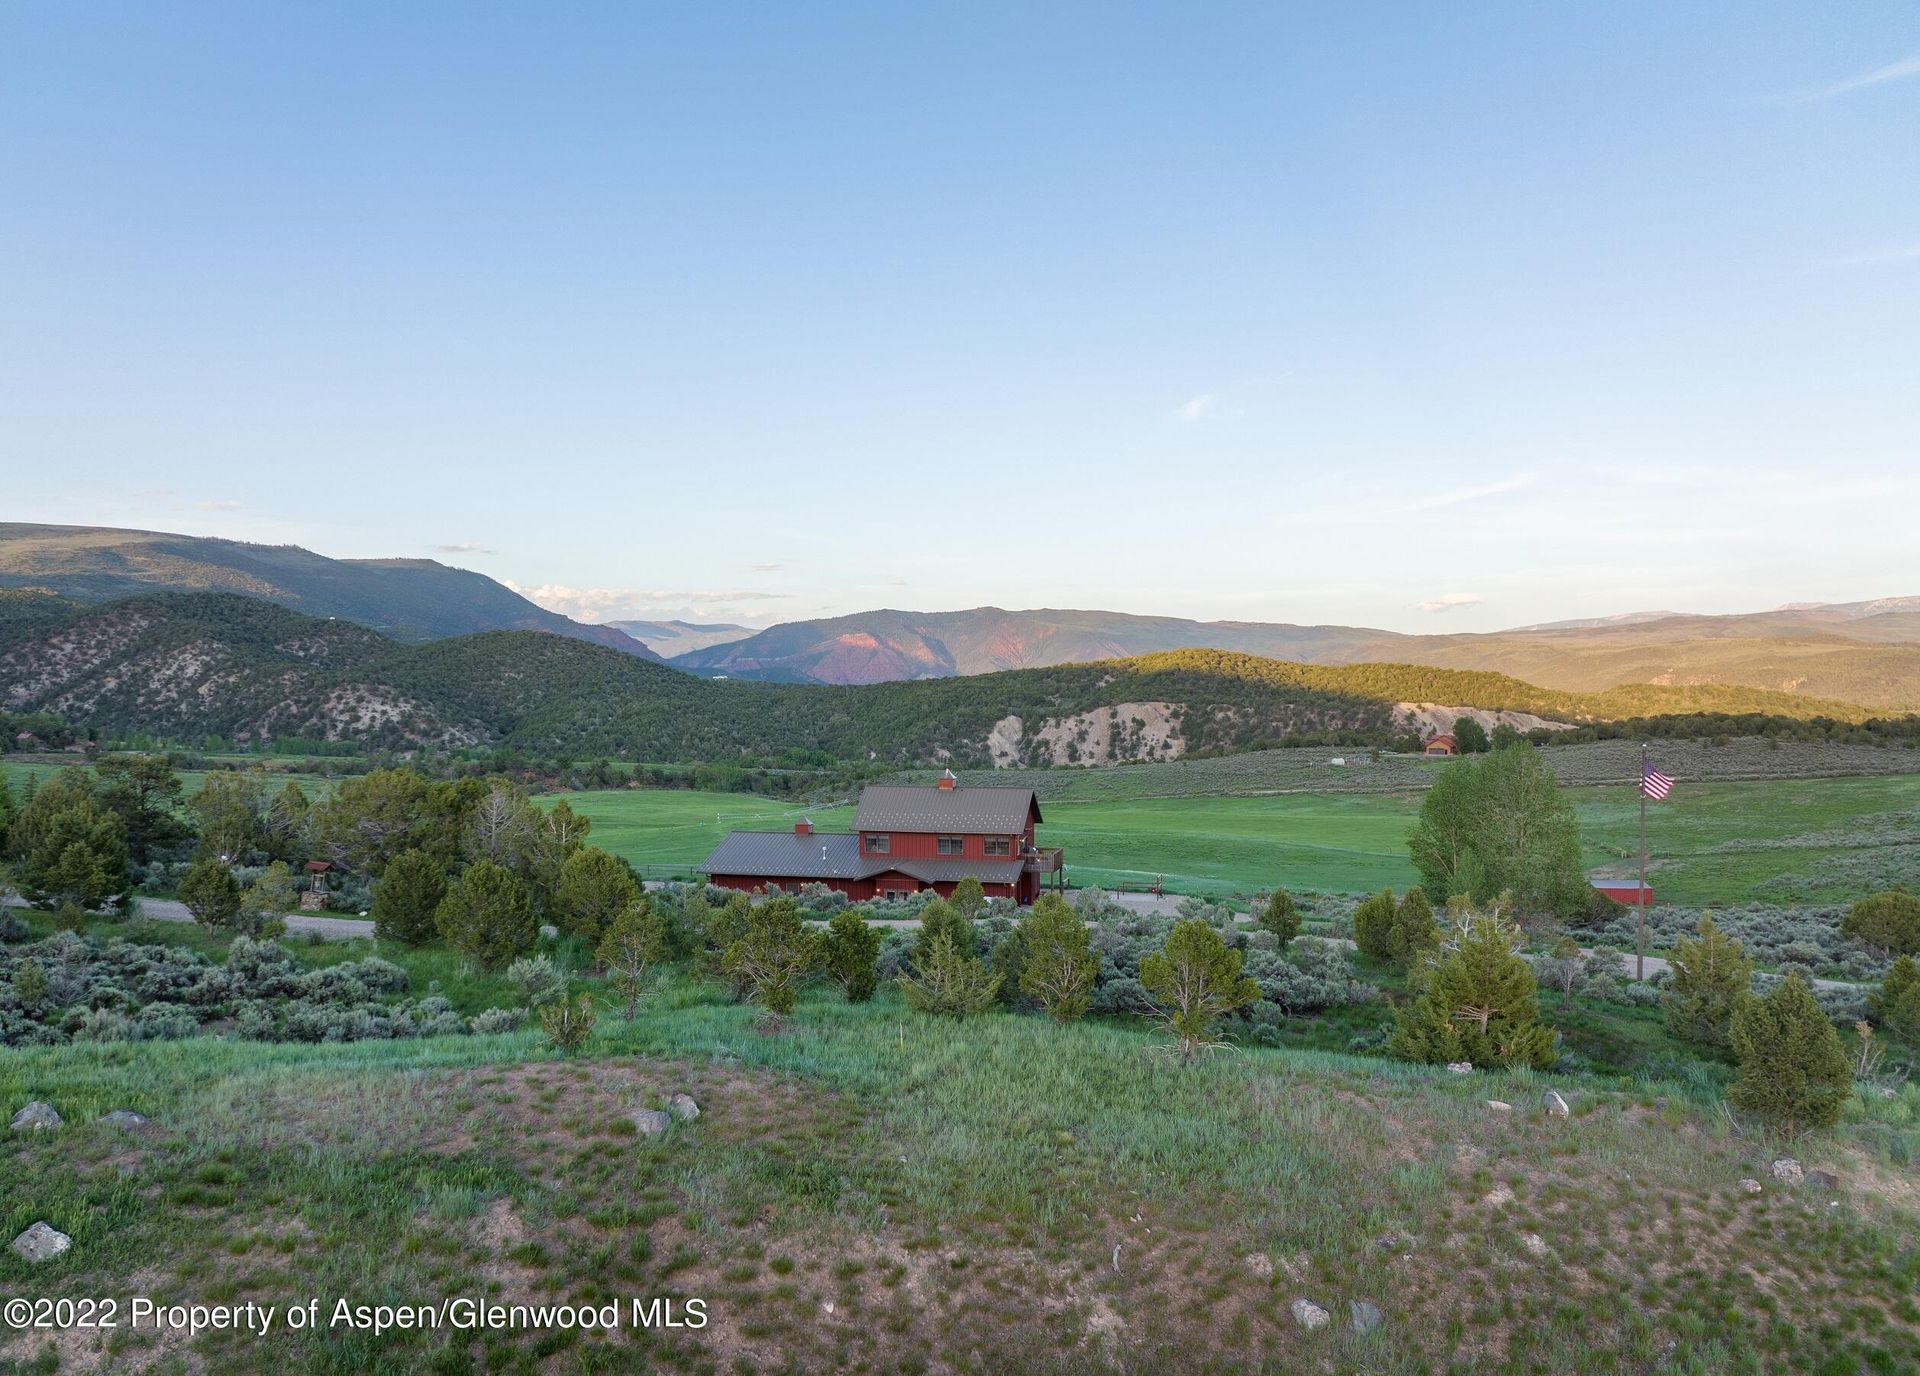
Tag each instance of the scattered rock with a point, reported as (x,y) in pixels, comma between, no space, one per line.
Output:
(1308,1314)
(1788,1170)
(651,1121)
(41,1242)
(1534,1243)
(124,1118)
(1499,1194)
(1460,1067)
(683,1107)
(1259,1263)
(548,932)
(36,1117)
(1750,1185)
(1500,1106)
(1822,1180)
(1366,1315)
(1555,1105)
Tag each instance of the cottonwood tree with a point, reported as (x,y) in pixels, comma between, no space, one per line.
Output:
(1480,1003)
(487,916)
(1060,965)
(851,954)
(1711,975)
(1794,1072)
(1499,824)
(1469,736)
(632,948)
(1194,982)
(775,956)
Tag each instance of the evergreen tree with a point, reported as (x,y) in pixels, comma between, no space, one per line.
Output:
(1281,916)
(944,978)
(592,889)
(852,955)
(634,943)
(69,847)
(940,918)
(1414,935)
(968,898)
(1711,974)
(1373,925)
(1195,981)
(727,924)
(1887,921)
(1794,1072)
(1895,1005)
(1060,965)
(775,955)
(1469,736)
(211,893)
(406,899)
(1480,1003)
(144,791)
(487,916)
(228,812)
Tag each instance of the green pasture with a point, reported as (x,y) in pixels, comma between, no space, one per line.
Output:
(1779,840)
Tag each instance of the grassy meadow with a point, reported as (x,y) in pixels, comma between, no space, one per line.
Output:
(871,1190)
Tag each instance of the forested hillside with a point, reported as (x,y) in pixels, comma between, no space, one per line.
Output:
(190,665)
(407,599)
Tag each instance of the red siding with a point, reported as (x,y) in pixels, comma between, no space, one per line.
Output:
(925,845)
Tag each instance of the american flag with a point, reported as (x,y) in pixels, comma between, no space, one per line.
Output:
(1655,784)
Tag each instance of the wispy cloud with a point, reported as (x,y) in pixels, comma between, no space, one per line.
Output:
(1512,483)
(637,604)
(1197,407)
(1447,601)
(1879,76)
(1896,253)
(223,504)
(463,549)
(765,568)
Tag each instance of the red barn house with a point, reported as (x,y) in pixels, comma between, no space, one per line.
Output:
(904,840)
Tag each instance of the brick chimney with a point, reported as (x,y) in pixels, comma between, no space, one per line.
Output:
(947,782)
(803,827)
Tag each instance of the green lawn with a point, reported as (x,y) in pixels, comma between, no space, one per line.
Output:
(1822,840)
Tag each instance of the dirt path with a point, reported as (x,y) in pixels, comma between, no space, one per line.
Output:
(338,928)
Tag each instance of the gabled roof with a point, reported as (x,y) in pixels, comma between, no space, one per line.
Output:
(785,855)
(992,811)
(945,870)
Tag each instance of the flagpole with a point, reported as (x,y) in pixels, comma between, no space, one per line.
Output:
(1640,935)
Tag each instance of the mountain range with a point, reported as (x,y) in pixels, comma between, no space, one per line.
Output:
(405,599)
(1861,652)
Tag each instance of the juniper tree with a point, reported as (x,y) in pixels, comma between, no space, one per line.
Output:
(487,916)
(592,889)
(1889,921)
(1414,933)
(1794,1072)
(1480,1003)
(940,918)
(1281,916)
(1895,1004)
(1373,925)
(851,955)
(968,898)
(944,978)
(774,956)
(1711,974)
(211,893)
(1194,982)
(632,946)
(1060,964)
(406,899)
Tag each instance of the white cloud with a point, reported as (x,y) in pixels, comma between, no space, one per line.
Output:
(1199,406)
(1897,253)
(1447,601)
(224,504)
(463,549)
(638,604)
(1879,76)
(1512,483)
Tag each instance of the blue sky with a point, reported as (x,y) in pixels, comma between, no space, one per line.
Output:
(1436,317)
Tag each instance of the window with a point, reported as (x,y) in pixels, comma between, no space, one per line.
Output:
(878,845)
(999,845)
(951,845)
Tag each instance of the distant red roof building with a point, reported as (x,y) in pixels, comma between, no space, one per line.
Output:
(1623,891)
(1442,744)
(904,840)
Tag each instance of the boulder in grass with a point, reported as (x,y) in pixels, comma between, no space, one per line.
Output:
(1750,1185)
(1500,1106)
(37,1116)
(1366,1316)
(683,1107)
(41,1242)
(124,1118)
(1787,1171)
(1460,1067)
(651,1121)
(1555,1105)
(1309,1315)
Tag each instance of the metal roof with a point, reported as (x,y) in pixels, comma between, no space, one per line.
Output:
(993,811)
(786,855)
(952,870)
